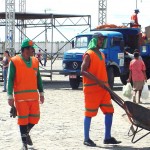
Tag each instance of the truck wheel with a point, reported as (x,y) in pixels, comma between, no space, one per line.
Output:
(74,83)
(110,73)
(123,79)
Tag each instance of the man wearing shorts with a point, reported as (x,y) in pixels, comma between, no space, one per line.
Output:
(25,89)
(95,96)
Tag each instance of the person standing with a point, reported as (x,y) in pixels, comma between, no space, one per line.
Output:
(5,62)
(95,96)
(45,57)
(134,19)
(138,76)
(131,56)
(25,90)
(39,57)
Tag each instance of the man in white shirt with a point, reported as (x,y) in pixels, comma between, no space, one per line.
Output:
(129,55)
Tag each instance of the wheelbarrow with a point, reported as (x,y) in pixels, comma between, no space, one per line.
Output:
(138,115)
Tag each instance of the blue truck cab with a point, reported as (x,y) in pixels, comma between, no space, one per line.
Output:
(117,62)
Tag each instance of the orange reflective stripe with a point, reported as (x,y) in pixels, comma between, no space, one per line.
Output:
(23,117)
(25,91)
(34,115)
(91,110)
(106,105)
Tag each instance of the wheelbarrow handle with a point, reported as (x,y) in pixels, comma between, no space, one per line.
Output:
(114,96)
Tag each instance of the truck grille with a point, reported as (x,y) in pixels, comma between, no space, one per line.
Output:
(75,65)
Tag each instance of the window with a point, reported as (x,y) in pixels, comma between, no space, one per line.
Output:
(81,42)
(105,43)
(116,41)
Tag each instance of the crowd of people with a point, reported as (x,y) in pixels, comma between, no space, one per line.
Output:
(25,90)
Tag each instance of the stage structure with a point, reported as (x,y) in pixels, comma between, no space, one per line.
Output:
(46,21)
(21,23)
(102,12)
(10,25)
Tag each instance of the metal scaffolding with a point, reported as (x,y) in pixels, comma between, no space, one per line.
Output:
(22,5)
(10,25)
(102,12)
(21,23)
(50,23)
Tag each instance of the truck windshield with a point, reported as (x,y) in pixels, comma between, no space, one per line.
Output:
(83,41)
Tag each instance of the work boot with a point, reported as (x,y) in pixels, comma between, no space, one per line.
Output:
(90,143)
(29,141)
(24,147)
(112,140)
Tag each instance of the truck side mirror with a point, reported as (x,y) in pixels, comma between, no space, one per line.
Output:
(72,43)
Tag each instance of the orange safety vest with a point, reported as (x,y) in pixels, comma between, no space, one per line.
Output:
(135,19)
(25,81)
(98,68)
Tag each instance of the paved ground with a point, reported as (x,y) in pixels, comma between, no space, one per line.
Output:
(61,124)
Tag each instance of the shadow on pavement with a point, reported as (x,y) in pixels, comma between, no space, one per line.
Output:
(118,84)
(143,103)
(31,148)
(119,147)
(117,87)
(64,85)
(60,85)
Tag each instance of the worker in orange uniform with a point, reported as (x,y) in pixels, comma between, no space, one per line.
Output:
(134,19)
(95,96)
(25,90)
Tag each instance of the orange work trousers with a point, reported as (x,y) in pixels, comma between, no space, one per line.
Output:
(28,112)
(95,100)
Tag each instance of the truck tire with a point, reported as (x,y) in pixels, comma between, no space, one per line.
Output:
(110,73)
(123,79)
(74,83)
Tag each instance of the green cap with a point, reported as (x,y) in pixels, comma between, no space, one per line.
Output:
(34,46)
(27,43)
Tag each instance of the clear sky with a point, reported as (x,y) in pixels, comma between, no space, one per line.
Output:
(119,11)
